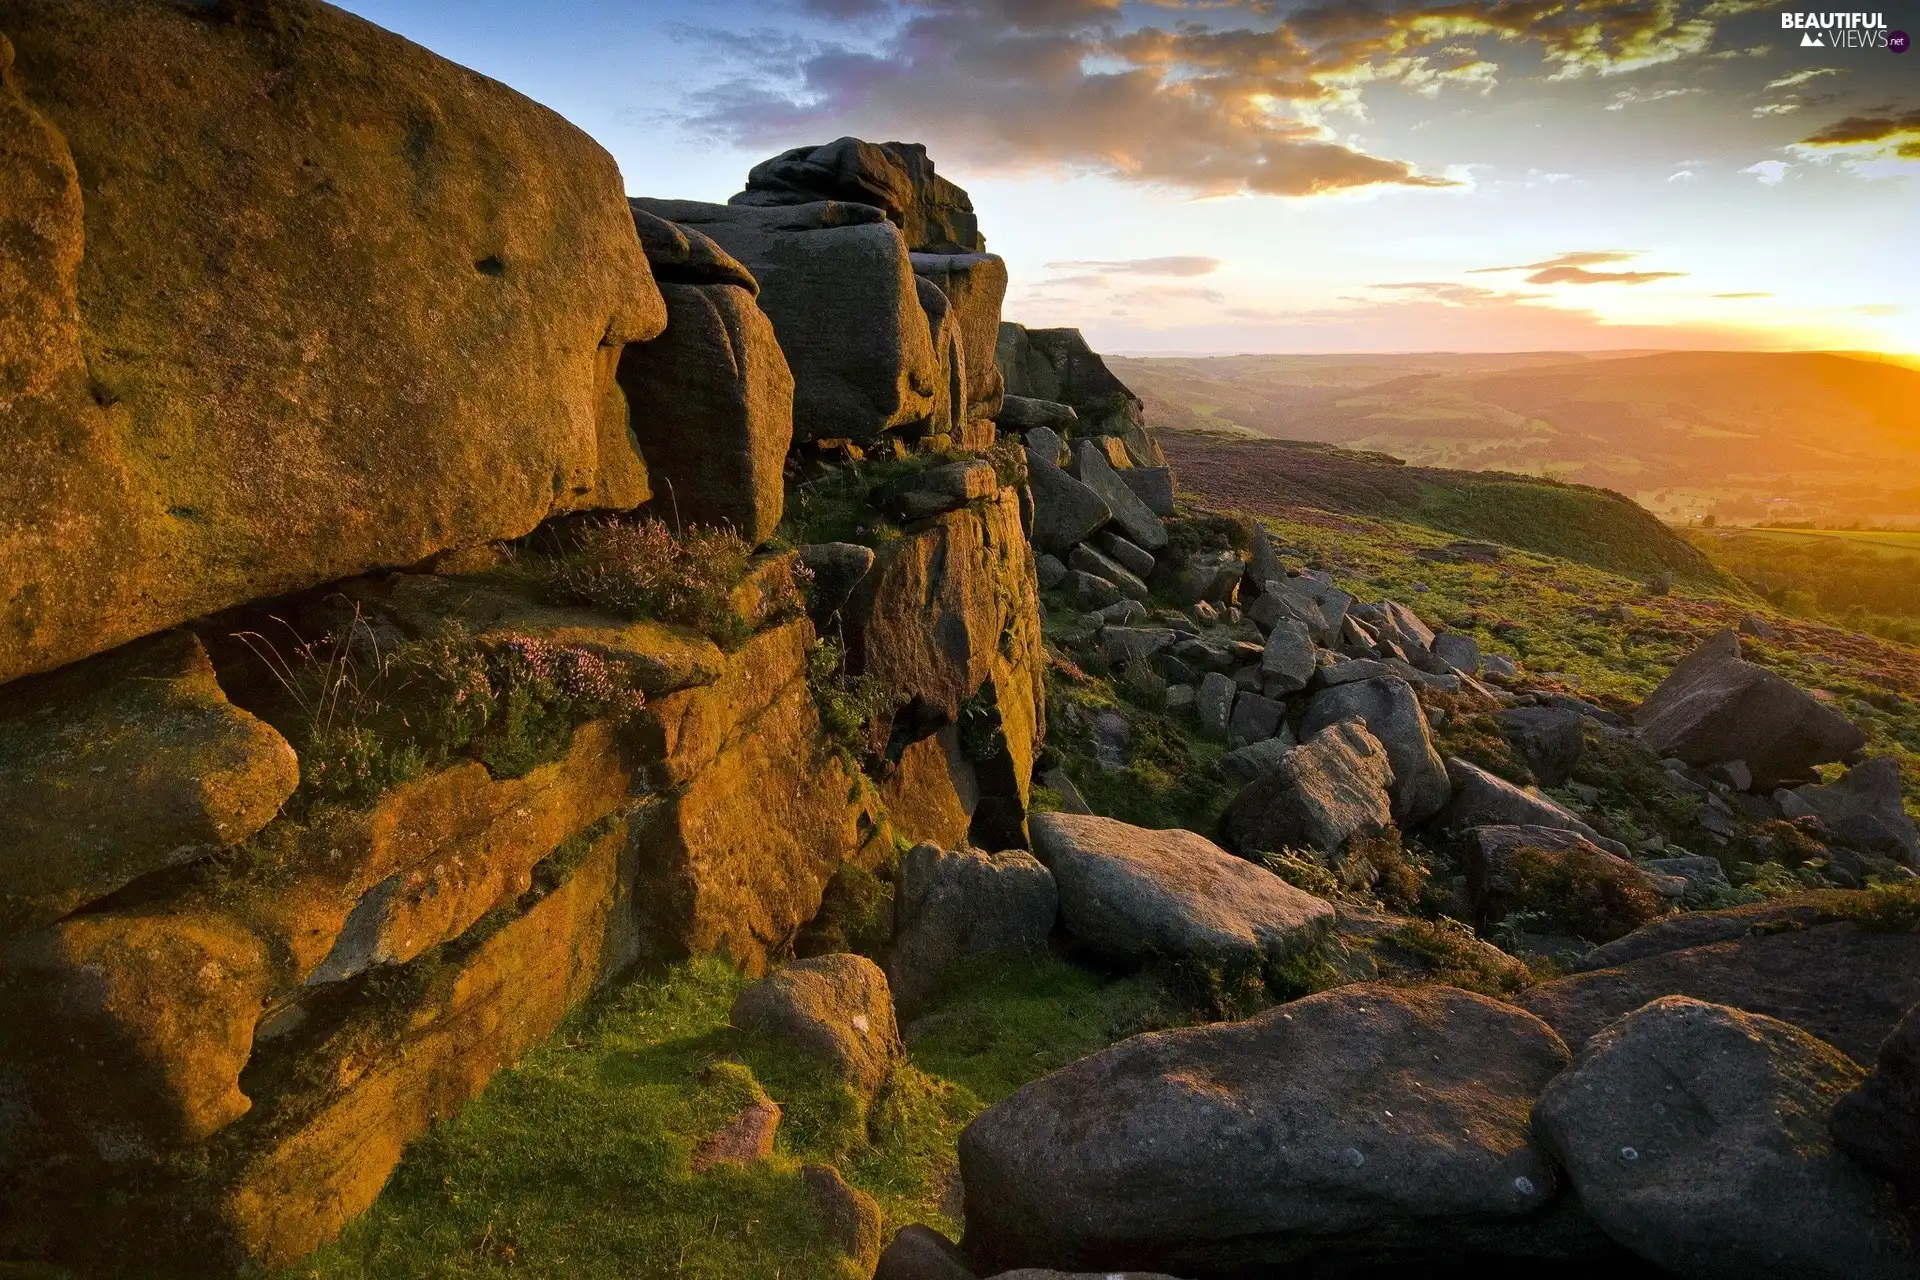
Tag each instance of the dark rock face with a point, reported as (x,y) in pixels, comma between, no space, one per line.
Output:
(836,282)
(897,178)
(712,409)
(1714,707)
(329,345)
(951,905)
(1131,895)
(976,285)
(1550,739)
(1878,1123)
(1865,808)
(1696,1136)
(1482,799)
(1391,713)
(1057,364)
(1130,515)
(1843,984)
(1324,792)
(1064,510)
(1365,1122)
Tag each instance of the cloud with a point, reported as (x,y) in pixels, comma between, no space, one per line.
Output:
(1573,268)
(1682,175)
(1172,266)
(1770,172)
(1450,294)
(1634,97)
(1749,294)
(1888,131)
(1794,79)
(1229,97)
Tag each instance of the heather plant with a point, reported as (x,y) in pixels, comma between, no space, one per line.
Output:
(642,569)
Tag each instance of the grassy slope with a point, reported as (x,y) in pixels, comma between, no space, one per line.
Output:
(575,1163)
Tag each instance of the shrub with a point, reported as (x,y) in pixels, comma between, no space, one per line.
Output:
(1454,956)
(1585,894)
(856,915)
(640,569)
(850,706)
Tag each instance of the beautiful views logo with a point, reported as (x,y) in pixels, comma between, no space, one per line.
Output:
(1842,31)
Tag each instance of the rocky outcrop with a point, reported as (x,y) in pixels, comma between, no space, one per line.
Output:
(1058,365)
(976,285)
(1696,1135)
(836,282)
(1865,808)
(314,342)
(934,215)
(1550,739)
(1392,714)
(1483,799)
(1362,1125)
(1133,895)
(1715,708)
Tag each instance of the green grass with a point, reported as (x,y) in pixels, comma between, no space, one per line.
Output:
(575,1163)
(1865,580)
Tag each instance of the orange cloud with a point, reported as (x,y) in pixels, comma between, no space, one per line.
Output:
(1573,268)
(1884,132)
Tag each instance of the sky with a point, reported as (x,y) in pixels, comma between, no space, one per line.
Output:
(1217,176)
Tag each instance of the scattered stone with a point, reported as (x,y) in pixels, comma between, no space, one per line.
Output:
(1263,565)
(742,1140)
(1321,794)
(1132,895)
(1499,666)
(1111,734)
(1255,719)
(837,1007)
(1714,707)
(1754,625)
(920,1253)
(1350,670)
(1140,525)
(123,765)
(1135,558)
(852,1217)
(1696,1136)
(1404,627)
(1865,809)
(1214,705)
(1256,758)
(1181,698)
(1131,644)
(1048,444)
(950,905)
(1057,781)
(1087,560)
(1703,875)
(1365,1124)
(1462,653)
(1392,714)
(1572,884)
(1123,613)
(1550,739)
(1281,600)
(1090,591)
(1049,568)
(1878,1123)
(1205,575)
(1481,799)
(1732,774)
(1153,486)
(1064,510)
(1289,660)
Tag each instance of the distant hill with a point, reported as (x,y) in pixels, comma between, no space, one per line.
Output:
(1744,435)
(1592,526)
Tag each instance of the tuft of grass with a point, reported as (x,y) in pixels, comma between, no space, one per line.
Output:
(1454,956)
(853,709)
(1583,894)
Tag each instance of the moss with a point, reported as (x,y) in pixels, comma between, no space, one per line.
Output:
(1451,954)
(1585,894)
(856,915)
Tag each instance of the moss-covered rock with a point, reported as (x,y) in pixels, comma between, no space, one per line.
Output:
(122,766)
(337,303)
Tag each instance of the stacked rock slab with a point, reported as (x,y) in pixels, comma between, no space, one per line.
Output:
(1057,364)
(897,178)
(203,403)
(712,398)
(837,284)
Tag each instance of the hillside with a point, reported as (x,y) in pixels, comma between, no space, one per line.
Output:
(1744,435)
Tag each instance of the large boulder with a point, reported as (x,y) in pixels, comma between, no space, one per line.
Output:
(1065,511)
(1483,799)
(1561,878)
(1847,985)
(1329,789)
(681,255)
(1057,364)
(1878,1122)
(835,1007)
(1715,707)
(1865,807)
(258,339)
(712,405)
(932,213)
(1696,1135)
(1130,515)
(976,285)
(837,284)
(1289,660)
(947,426)
(1369,1123)
(1550,739)
(950,905)
(122,766)
(1392,714)
(1132,895)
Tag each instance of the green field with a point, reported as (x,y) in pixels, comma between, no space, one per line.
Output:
(1892,542)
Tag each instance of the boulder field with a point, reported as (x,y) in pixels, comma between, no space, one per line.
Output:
(434,584)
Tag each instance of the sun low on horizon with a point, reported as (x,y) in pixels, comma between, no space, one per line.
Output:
(1216,176)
